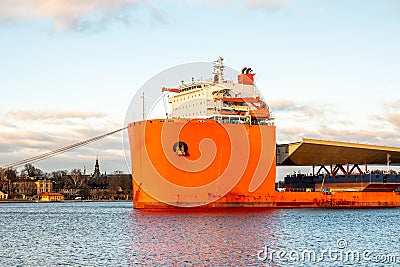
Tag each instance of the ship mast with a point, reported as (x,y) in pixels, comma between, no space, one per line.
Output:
(218,70)
(143,110)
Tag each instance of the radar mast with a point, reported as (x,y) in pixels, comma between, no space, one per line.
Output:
(218,70)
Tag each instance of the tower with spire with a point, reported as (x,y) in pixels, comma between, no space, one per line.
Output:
(96,169)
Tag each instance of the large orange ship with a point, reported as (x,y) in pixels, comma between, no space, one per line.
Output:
(217,148)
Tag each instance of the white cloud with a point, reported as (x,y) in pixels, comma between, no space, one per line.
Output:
(78,15)
(266,4)
(67,15)
(40,131)
(281,104)
(395,120)
(6,124)
(309,120)
(393,114)
(246,4)
(52,114)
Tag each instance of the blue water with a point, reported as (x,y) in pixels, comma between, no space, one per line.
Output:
(113,234)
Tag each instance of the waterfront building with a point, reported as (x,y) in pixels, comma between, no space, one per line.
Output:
(97,185)
(3,195)
(44,186)
(46,196)
(23,189)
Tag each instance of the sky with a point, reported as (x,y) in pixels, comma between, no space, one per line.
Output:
(69,69)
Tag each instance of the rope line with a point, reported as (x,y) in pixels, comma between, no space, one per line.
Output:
(59,150)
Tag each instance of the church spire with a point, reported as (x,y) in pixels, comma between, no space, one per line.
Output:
(96,168)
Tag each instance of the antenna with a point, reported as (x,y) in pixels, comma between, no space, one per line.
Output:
(219,70)
(143,109)
(164,96)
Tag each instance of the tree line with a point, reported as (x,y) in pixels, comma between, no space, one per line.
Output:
(73,183)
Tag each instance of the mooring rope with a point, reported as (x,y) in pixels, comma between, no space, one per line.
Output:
(59,150)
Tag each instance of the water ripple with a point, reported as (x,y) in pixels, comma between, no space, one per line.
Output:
(113,234)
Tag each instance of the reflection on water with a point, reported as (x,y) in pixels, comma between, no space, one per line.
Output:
(112,234)
(208,238)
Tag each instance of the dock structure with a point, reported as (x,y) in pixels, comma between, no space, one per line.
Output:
(312,152)
(339,166)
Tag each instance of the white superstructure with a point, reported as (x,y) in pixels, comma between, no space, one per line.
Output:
(238,101)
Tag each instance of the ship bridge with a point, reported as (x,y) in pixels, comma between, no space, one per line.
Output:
(312,152)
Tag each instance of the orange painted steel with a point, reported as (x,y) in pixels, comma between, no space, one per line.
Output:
(212,147)
(173,90)
(260,113)
(246,79)
(240,99)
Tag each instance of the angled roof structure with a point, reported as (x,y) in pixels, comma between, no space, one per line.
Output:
(311,152)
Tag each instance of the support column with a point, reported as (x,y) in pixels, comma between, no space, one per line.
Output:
(355,166)
(322,167)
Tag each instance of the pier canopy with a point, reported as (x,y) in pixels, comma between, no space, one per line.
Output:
(311,152)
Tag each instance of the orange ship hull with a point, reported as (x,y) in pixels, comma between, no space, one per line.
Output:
(203,163)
